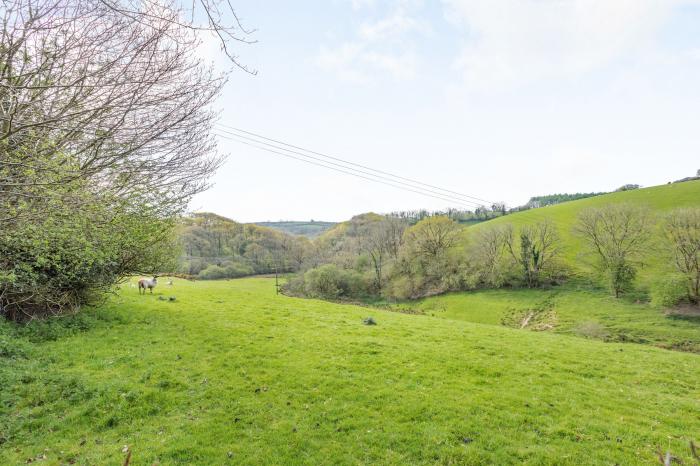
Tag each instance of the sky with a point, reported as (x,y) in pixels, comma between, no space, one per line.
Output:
(496,99)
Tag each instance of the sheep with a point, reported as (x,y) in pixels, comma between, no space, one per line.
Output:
(150,284)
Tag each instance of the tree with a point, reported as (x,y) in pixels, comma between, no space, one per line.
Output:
(618,235)
(105,135)
(381,240)
(432,237)
(487,251)
(536,250)
(682,229)
(393,234)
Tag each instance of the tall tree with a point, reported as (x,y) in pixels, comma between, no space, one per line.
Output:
(618,235)
(432,237)
(682,228)
(105,130)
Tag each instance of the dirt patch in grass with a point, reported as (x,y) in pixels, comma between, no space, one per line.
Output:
(684,310)
(539,318)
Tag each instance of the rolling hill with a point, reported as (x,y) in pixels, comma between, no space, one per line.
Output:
(660,199)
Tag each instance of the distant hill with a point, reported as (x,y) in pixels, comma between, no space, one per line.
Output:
(217,247)
(551,199)
(310,229)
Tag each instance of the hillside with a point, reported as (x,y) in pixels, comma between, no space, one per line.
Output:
(217,247)
(581,308)
(658,198)
(230,373)
(309,229)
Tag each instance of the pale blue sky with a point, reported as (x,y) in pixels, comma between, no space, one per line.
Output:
(499,99)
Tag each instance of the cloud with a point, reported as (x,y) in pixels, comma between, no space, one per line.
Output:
(379,47)
(514,41)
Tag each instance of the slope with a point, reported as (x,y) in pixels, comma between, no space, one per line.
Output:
(230,373)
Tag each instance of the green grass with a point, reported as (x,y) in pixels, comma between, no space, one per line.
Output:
(576,311)
(230,373)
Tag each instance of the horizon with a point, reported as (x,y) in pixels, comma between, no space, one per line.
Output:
(323,220)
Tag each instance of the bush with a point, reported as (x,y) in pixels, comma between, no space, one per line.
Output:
(669,291)
(55,263)
(226,270)
(331,282)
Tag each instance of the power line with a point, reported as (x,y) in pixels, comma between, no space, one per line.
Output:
(228,127)
(453,198)
(339,170)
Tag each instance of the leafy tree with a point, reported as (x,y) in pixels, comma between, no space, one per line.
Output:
(617,235)
(537,250)
(682,229)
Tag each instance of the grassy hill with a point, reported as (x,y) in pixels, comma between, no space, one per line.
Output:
(577,308)
(231,373)
(570,310)
(309,229)
(658,198)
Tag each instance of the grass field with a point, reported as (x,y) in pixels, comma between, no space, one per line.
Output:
(574,311)
(230,373)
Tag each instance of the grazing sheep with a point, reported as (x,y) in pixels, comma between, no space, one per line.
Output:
(150,284)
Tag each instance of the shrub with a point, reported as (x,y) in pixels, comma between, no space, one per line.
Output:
(226,270)
(55,263)
(213,272)
(668,291)
(331,282)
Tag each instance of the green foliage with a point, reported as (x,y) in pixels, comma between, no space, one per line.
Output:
(211,243)
(332,282)
(232,367)
(227,270)
(669,290)
(64,252)
(621,276)
(552,199)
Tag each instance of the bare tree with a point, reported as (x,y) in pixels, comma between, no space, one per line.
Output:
(381,240)
(682,228)
(392,235)
(488,250)
(433,237)
(106,91)
(618,235)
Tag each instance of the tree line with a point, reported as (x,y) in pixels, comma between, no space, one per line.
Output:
(375,256)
